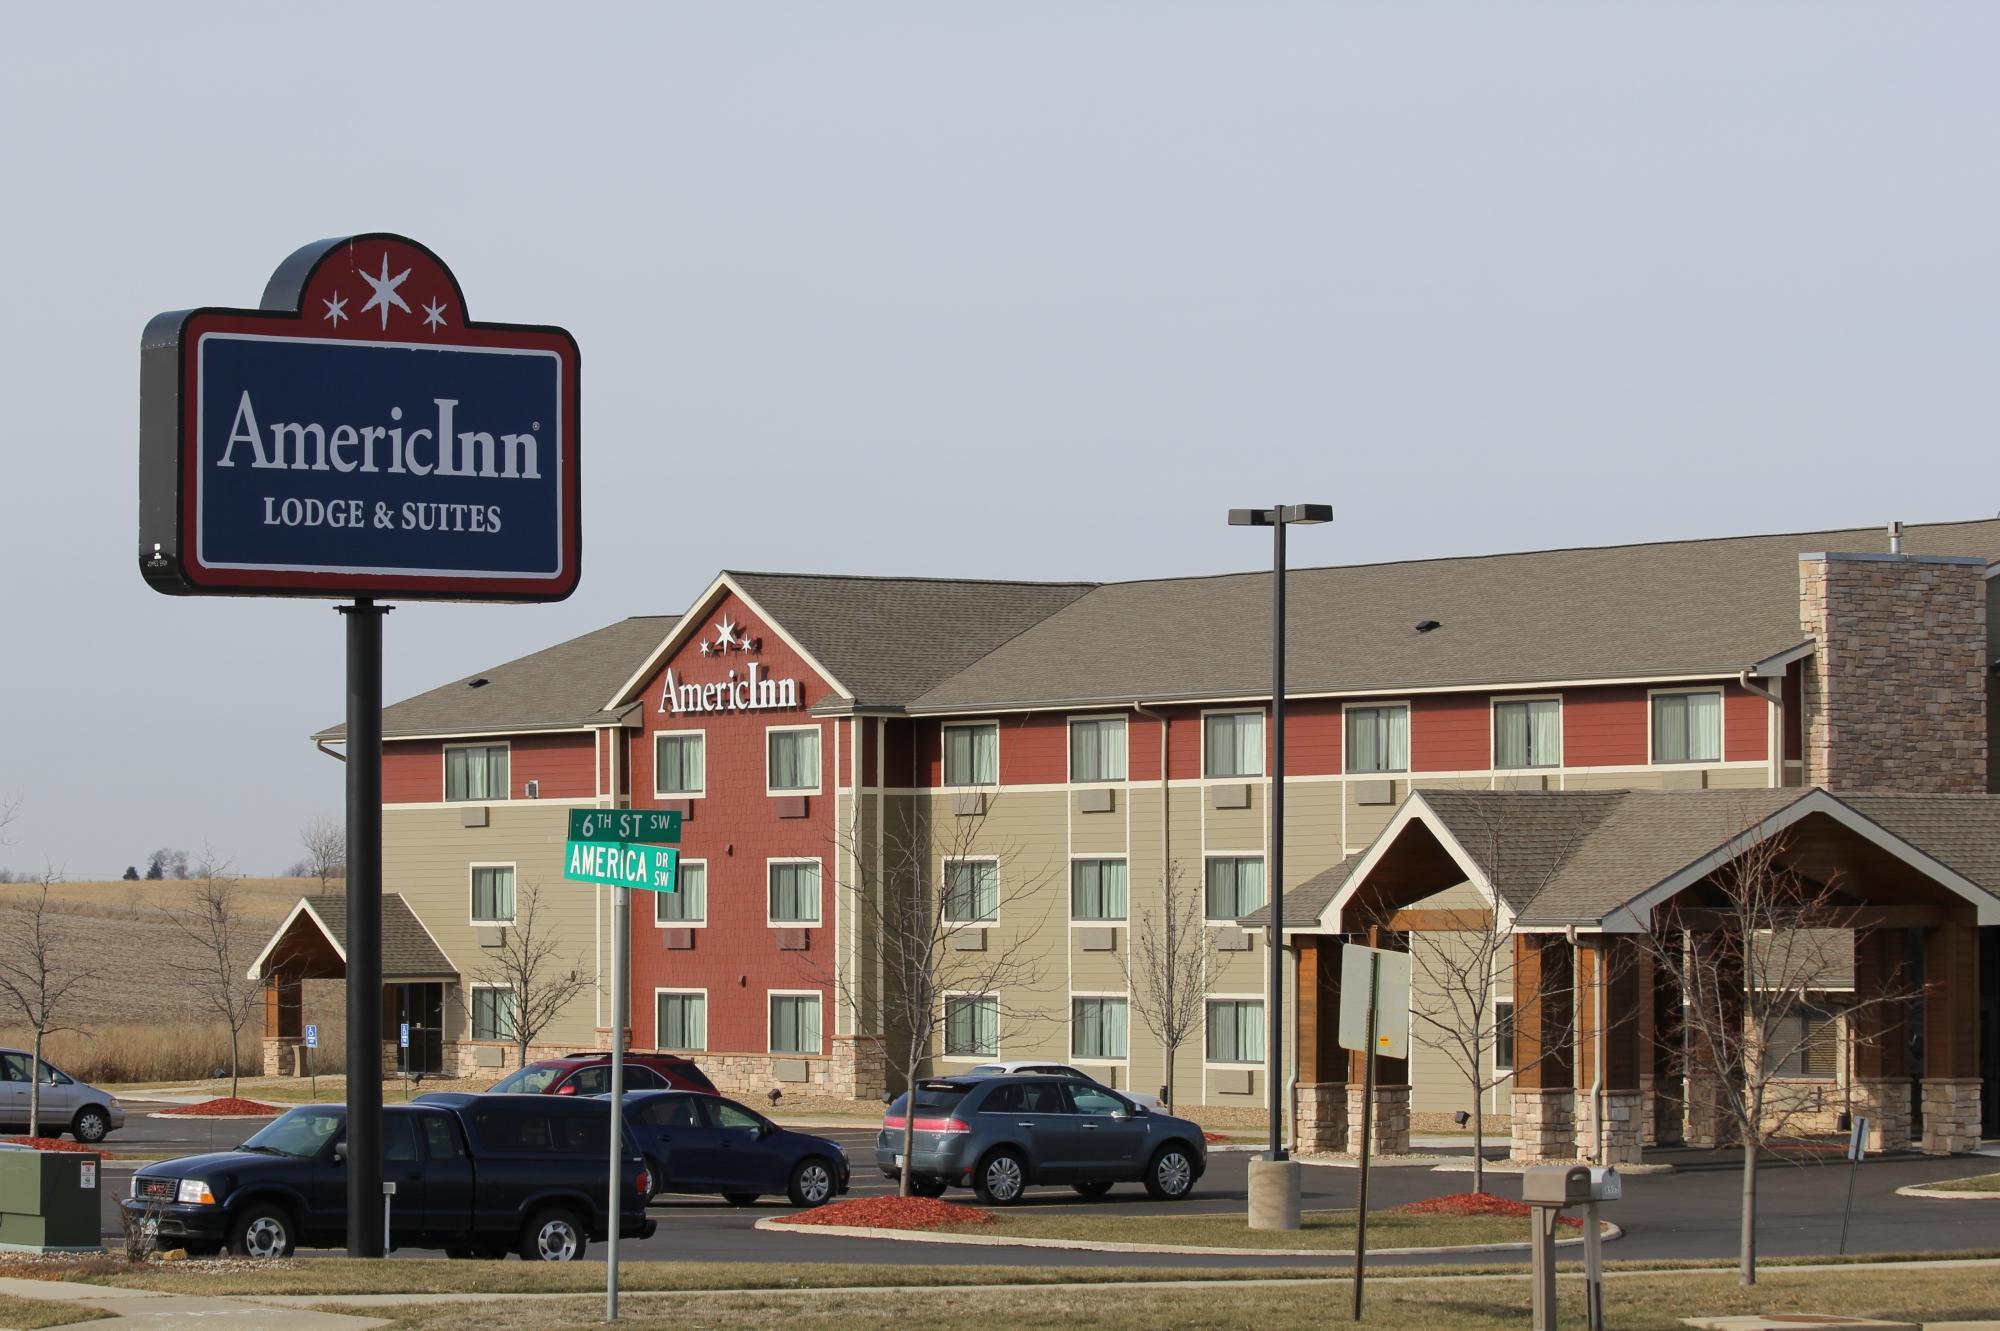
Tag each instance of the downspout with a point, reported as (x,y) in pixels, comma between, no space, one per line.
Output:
(1774,739)
(1165,861)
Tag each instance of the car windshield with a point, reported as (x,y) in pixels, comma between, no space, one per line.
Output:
(299,1134)
(528,1081)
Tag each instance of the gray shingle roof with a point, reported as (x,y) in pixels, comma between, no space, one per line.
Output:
(563,687)
(1675,608)
(1959,831)
(408,950)
(1304,903)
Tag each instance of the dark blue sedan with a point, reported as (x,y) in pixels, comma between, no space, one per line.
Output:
(704,1143)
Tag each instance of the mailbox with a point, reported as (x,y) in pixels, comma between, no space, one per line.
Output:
(1548,1189)
(1569,1185)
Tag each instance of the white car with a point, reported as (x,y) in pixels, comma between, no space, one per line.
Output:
(1151,1102)
(67,1105)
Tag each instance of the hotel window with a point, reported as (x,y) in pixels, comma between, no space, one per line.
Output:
(475,772)
(1527,733)
(795,892)
(1378,739)
(492,1012)
(1687,727)
(1097,1027)
(1805,1043)
(972,755)
(493,894)
(795,1023)
(793,759)
(1232,744)
(683,1021)
(1235,1030)
(1503,1036)
(1235,886)
(971,890)
(971,1026)
(1097,750)
(689,903)
(678,764)
(1097,889)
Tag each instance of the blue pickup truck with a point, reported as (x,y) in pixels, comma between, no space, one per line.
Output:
(475,1175)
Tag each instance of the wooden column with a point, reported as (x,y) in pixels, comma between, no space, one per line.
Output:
(1951,1091)
(1608,1026)
(1544,1099)
(1392,1075)
(1322,1106)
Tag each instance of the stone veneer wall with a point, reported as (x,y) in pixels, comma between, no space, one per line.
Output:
(1895,691)
(1951,1115)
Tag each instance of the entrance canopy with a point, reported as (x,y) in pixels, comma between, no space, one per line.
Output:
(1604,861)
(312,944)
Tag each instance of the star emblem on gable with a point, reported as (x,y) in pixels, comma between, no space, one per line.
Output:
(725,635)
(434,314)
(336,309)
(385,291)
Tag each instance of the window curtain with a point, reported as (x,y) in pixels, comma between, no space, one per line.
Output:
(1097,1027)
(690,902)
(679,764)
(1235,1031)
(972,1026)
(794,1024)
(972,755)
(492,894)
(492,1014)
(1687,727)
(794,759)
(1097,751)
(1527,734)
(1378,739)
(971,890)
(476,773)
(795,893)
(1234,744)
(1097,889)
(683,1021)
(1235,887)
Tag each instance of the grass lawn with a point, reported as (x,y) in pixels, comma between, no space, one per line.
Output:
(1331,1230)
(26,1314)
(1632,1303)
(1978,1183)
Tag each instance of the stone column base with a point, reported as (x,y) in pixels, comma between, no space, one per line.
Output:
(1625,1115)
(1544,1126)
(1952,1115)
(1391,1127)
(860,1067)
(1708,1121)
(1322,1121)
(1887,1107)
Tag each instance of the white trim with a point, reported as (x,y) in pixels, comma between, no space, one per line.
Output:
(686,992)
(472,868)
(697,618)
(1773,667)
(496,733)
(1409,740)
(657,736)
(702,923)
(553,802)
(819,759)
(1069,768)
(819,897)
(1298,779)
(1721,728)
(1263,715)
(1493,702)
(819,1041)
(304,906)
(1413,809)
(947,785)
(944,1026)
(444,773)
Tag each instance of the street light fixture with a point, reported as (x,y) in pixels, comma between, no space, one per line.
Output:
(1277,519)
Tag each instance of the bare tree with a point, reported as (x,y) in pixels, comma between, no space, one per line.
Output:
(39,979)
(325,843)
(167,863)
(926,904)
(529,964)
(1754,958)
(1167,965)
(222,946)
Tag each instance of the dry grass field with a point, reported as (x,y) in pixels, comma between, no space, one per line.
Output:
(138,1022)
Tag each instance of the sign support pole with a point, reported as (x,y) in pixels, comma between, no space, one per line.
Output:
(1367,1125)
(364,926)
(1857,1147)
(621,1015)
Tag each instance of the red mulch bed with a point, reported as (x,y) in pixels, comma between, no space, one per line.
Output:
(1213,1137)
(57,1144)
(893,1213)
(223,1107)
(1478,1203)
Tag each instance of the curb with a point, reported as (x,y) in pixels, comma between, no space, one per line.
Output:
(1935,1193)
(773,1224)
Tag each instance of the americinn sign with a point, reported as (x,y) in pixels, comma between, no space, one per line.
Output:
(750,691)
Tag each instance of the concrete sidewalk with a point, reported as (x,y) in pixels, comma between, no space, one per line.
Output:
(149,1310)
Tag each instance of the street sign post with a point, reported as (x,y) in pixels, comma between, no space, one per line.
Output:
(1374,1019)
(312,1043)
(622,864)
(1857,1151)
(654,826)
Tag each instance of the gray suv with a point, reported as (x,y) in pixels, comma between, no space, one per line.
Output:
(1000,1135)
(67,1105)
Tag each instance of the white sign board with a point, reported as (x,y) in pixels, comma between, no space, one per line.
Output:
(87,1177)
(1392,999)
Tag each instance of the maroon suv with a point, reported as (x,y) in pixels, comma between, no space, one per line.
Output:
(590,1074)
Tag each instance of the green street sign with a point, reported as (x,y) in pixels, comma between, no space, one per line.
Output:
(649,868)
(624,825)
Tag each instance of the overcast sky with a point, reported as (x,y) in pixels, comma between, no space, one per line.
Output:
(1023,290)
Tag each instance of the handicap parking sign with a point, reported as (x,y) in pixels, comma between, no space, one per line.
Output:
(312,1037)
(405,1039)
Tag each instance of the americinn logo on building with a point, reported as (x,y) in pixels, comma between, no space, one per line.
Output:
(753,691)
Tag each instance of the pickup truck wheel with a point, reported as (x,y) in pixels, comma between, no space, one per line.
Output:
(740,1198)
(659,1177)
(91,1124)
(812,1182)
(261,1231)
(553,1235)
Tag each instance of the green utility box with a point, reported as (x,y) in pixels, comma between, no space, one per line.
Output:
(51,1201)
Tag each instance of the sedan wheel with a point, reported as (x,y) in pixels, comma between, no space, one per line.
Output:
(91,1124)
(1171,1175)
(812,1182)
(1001,1180)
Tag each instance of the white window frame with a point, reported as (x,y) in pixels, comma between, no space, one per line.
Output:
(943,748)
(819,898)
(1410,726)
(819,761)
(444,772)
(769,1011)
(659,794)
(1493,729)
(1080,922)
(472,888)
(1217,921)
(944,864)
(944,1027)
(471,1008)
(1069,1018)
(673,991)
(1721,726)
(1069,751)
(701,923)
(1263,716)
(1258,999)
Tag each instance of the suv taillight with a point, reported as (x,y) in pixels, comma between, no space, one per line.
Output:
(941,1125)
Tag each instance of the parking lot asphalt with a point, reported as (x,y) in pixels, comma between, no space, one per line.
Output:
(1690,1212)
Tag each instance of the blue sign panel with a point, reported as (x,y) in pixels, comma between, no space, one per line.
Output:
(404,1039)
(312,1036)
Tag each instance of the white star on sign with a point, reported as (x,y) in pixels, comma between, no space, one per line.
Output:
(385,291)
(725,635)
(434,314)
(336,309)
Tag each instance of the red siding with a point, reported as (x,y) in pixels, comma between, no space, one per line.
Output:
(926,753)
(1142,748)
(1604,727)
(1746,720)
(412,771)
(1312,738)
(562,763)
(1184,744)
(1034,749)
(1450,733)
(897,755)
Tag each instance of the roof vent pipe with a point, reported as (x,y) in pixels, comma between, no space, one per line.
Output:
(1895,538)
